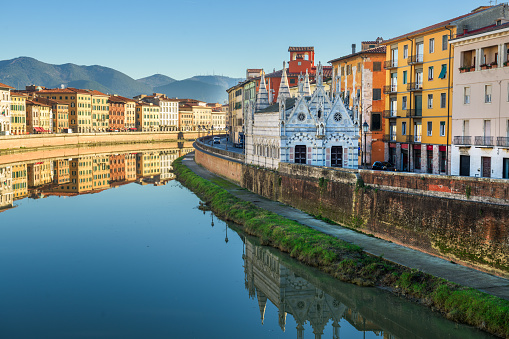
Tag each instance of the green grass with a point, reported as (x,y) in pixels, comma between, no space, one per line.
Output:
(348,262)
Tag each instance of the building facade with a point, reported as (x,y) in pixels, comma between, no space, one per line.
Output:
(147,117)
(5,108)
(480,115)
(18,113)
(117,113)
(39,119)
(100,111)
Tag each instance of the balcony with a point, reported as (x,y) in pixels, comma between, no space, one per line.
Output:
(415,59)
(390,89)
(503,141)
(484,141)
(414,86)
(389,64)
(409,138)
(466,69)
(390,137)
(413,113)
(417,138)
(390,113)
(462,140)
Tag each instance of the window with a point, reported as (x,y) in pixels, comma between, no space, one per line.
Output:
(432,45)
(403,128)
(405,78)
(300,154)
(292,81)
(443,72)
(430,128)
(377,94)
(417,159)
(430,100)
(466,95)
(487,93)
(442,128)
(403,102)
(445,40)
(405,51)
(377,66)
(430,73)
(376,121)
(358,67)
(336,156)
(443,100)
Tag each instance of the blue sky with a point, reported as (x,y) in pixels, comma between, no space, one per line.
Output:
(195,37)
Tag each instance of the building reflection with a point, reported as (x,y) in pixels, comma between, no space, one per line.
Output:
(84,175)
(266,278)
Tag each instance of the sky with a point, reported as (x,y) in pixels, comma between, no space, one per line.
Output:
(184,38)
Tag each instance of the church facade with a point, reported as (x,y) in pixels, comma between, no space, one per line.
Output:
(313,128)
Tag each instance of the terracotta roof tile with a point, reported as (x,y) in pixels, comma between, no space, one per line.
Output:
(300,49)
(375,50)
(5,86)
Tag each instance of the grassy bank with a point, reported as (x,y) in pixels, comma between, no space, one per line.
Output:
(348,262)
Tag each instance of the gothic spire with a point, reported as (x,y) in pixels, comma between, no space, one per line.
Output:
(307,86)
(262,303)
(284,89)
(319,75)
(262,99)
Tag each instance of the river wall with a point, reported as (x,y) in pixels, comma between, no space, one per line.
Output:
(12,143)
(462,219)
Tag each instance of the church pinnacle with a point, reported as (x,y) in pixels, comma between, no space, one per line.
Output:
(307,86)
(262,99)
(284,89)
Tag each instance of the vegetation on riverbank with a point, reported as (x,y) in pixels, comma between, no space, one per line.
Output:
(348,262)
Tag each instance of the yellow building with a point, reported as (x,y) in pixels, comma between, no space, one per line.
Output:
(147,117)
(80,106)
(38,117)
(40,173)
(130,167)
(19,181)
(59,113)
(419,93)
(61,173)
(101,172)
(100,111)
(147,165)
(18,113)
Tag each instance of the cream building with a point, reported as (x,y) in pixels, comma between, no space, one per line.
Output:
(480,114)
(5,108)
(169,110)
(6,193)
(147,117)
(100,111)
(18,113)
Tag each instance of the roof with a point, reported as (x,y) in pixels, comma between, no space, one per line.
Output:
(122,98)
(429,28)
(254,69)
(113,98)
(30,102)
(94,92)
(375,50)
(5,86)
(300,49)
(290,102)
(18,94)
(473,33)
(50,101)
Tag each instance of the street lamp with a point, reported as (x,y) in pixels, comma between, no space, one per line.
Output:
(365,128)
(226,144)
(212,129)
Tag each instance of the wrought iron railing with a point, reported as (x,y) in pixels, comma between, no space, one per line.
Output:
(484,141)
(503,141)
(462,140)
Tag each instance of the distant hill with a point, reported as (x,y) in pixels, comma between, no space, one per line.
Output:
(156,80)
(23,71)
(194,89)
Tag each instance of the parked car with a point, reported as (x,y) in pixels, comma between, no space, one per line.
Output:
(383,166)
(216,140)
(239,145)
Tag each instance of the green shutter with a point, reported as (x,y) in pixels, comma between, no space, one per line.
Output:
(443,72)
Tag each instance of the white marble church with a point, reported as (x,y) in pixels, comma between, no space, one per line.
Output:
(311,128)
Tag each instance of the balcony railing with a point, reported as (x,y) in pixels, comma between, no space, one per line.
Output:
(503,141)
(484,141)
(414,86)
(390,89)
(417,138)
(389,137)
(414,113)
(390,113)
(462,140)
(390,64)
(415,59)
(410,138)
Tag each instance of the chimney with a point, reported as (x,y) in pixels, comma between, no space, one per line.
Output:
(353,48)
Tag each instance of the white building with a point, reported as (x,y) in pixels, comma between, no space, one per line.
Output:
(5,108)
(480,113)
(6,192)
(168,116)
(310,128)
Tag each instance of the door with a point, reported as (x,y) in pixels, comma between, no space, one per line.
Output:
(336,156)
(417,131)
(418,105)
(418,80)
(505,169)
(486,167)
(394,57)
(429,162)
(300,154)
(419,52)
(394,82)
(394,107)
(465,165)
(404,162)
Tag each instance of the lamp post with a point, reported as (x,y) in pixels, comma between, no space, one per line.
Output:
(212,129)
(365,128)
(226,144)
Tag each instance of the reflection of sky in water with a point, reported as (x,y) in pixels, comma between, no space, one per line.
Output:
(129,262)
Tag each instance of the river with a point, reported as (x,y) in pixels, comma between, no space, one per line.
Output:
(111,246)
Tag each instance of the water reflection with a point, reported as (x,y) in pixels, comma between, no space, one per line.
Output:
(84,175)
(326,304)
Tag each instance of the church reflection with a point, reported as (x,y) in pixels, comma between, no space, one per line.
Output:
(84,175)
(266,278)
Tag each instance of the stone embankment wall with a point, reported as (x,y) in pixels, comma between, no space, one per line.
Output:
(465,220)
(15,142)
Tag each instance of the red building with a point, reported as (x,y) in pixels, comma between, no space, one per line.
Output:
(117,113)
(117,168)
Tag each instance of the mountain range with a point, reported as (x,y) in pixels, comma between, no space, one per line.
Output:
(23,71)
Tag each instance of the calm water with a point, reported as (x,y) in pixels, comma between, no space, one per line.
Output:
(108,246)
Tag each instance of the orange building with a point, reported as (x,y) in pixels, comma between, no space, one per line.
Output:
(117,113)
(360,79)
(117,167)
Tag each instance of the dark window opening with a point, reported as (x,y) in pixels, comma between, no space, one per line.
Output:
(300,154)
(376,121)
(377,94)
(336,156)
(377,66)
